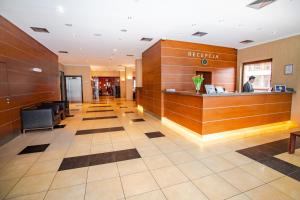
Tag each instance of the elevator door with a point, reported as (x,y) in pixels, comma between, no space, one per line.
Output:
(74,89)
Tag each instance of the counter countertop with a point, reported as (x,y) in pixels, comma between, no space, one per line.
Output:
(191,93)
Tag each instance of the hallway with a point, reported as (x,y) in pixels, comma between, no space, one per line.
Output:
(104,153)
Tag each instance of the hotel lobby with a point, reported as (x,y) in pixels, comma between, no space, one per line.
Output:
(149,100)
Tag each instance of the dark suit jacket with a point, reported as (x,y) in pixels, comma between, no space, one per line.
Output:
(247,87)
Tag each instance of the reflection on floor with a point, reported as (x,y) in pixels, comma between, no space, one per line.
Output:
(124,154)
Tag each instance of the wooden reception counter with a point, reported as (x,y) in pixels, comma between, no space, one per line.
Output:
(206,114)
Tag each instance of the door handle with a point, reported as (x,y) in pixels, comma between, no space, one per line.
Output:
(7,100)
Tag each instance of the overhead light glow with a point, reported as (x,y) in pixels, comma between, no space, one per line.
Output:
(60,9)
(36,69)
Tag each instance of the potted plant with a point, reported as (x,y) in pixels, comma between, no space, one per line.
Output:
(197,82)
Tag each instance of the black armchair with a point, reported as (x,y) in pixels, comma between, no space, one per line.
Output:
(40,117)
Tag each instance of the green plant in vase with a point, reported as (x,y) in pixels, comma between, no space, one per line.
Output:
(197,82)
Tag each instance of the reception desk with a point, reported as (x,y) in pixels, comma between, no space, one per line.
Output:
(206,114)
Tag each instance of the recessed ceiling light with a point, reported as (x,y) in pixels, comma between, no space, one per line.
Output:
(258,4)
(60,9)
(130,18)
(246,41)
(115,50)
(123,30)
(97,34)
(40,30)
(199,34)
(69,25)
(63,52)
(146,39)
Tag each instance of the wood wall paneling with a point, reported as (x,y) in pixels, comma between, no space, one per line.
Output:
(20,53)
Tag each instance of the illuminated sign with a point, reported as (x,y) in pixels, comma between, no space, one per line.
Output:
(203,55)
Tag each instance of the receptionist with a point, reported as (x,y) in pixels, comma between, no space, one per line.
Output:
(248,86)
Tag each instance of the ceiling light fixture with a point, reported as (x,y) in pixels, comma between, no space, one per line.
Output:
(145,39)
(60,9)
(37,69)
(115,50)
(70,25)
(40,30)
(123,30)
(246,41)
(97,34)
(258,4)
(199,34)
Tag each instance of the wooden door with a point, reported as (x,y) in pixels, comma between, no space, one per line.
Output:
(6,129)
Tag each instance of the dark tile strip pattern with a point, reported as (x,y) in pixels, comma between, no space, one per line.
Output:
(90,111)
(34,149)
(59,126)
(265,155)
(98,159)
(138,120)
(100,106)
(74,109)
(97,118)
(100,130)
(123,107)
(127,112)
(154,134)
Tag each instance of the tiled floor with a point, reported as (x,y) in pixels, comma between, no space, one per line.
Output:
(118,153)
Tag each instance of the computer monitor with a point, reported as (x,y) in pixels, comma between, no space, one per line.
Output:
(210,89)
(220,89)
(280,88)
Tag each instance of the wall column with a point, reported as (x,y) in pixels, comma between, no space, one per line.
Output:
(129,83)
(138,73)
(122,84)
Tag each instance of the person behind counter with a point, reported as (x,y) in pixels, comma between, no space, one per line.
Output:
(248,87)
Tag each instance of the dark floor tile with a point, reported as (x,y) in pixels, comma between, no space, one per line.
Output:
(34,149)
(69,115)
(123,107)
(295,175)
(127,154)
(253,154)
(100,106)
(269,150)
(280,165)
(97,118)
(99,130)
(138,120)
(59,126)
(90,111)
(281,145)
(127,112)
(74,162)
(154,134)
(102,158)
(74,109)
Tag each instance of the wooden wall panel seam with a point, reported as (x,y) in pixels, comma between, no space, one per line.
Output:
(198,121)
(249,116)
(247,105)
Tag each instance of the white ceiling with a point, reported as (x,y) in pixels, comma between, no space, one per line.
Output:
(226,22)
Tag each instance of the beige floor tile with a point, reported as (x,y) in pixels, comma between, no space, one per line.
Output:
(194,169)
(37,196)
(288,186)
(109,189)
(217,163)
(158,161)
(236,158)
(6,186)
(180,157)
(69,193)
(154,195)
(267,192)
(31,185)
(52,155)
(12,171)
(290,158)
(184,191)
(131,166)
(148,151)
(70,177)
(215,187)
(261,172)
(138,183)
(44,167)
(168,176)
(101,148)
(239,197)
(101,172)
(241,179)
